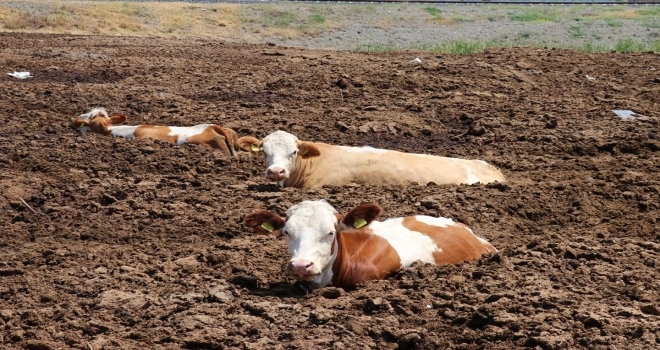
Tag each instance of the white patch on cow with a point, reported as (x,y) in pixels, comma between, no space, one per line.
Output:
(363,149)
(281,151)
(124,131)
(422,155)
(410,245)
(93,113)
(98,111)
(325,277)
(471,178)
(308,225)
(183,133)
(485,242)
(440,222)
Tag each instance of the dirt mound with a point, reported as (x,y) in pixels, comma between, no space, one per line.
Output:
(112,243)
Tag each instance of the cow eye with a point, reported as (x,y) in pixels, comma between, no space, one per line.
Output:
(295,152)
(331,234)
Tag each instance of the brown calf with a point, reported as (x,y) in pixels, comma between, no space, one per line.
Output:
(208,135)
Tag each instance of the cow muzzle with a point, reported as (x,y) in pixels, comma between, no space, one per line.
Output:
(301,269)
(276,174)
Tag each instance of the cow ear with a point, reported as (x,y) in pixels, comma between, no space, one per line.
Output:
(265,223)
(117,119)
(249,144)
(79,123)
(308,149)
(362,215)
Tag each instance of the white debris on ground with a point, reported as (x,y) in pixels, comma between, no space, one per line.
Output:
(625,114)
(590,78)
(416,60)
(20,75)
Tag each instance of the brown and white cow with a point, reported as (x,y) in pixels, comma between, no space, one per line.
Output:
(209,135)
(303,164)
(343,250)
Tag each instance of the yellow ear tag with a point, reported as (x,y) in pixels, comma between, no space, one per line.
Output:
(255,148)
(304,151)
(81,126)
(359,223)
(268,226)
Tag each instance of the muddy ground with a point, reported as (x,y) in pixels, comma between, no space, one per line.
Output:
(139,244)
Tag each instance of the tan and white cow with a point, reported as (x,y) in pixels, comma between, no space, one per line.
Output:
(295,163)
(344,250)
(209,135)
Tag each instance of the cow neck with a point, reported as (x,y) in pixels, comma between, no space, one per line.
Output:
(363,256)
(326,276)
(302,170)
(127,131)
(339,262)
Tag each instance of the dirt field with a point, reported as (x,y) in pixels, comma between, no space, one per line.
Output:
(139,244)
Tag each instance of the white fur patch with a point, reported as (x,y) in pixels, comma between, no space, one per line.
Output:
(279,148)
(363,149)
(482,162)
(325,277)
(183,133)
(422,155)
(308,224)
(89,115)
(485,242)
(124,131)
(93,113)
(444,222)
(440,222)
(471,178)
(410,245)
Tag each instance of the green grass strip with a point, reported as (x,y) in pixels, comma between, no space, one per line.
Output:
(465,47)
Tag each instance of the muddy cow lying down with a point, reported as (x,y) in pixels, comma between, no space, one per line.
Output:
(343,250)
(295,163)
(208,135)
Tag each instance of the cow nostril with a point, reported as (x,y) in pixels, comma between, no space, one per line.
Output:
(309,265)
(281,172)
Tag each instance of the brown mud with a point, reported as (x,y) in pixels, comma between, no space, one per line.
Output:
(112,243)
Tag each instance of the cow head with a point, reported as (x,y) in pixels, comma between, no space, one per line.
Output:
(281,150)
(97,121)
(249,144)
(310,230)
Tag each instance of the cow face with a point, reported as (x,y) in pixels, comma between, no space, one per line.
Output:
(281,151)
(310,231)
(97,121)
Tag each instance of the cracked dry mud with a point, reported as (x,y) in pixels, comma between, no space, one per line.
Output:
(139,244)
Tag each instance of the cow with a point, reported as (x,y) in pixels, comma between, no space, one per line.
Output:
(328,249)
(302,164)
(208,135)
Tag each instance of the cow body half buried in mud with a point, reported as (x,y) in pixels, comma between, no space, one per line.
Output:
(295,163)
(209,135)
(344,250)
